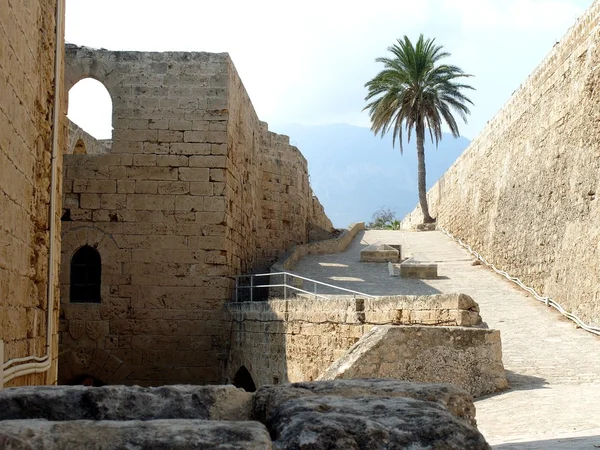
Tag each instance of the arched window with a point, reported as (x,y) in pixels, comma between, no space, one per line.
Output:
(86,273)
(90,107)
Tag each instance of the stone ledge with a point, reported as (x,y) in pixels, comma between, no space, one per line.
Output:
(438,309)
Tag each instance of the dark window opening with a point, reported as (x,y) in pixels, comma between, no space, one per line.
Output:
(85,379)
(86,273)
(66,217)
(243,379)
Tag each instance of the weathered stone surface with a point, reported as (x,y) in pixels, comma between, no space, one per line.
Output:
(369,423)
(456,400)
(153,434)
(470,358)
(58,403)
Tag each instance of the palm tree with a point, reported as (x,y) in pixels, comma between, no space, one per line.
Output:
(415,91)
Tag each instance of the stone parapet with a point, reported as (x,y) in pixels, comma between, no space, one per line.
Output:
(296,340)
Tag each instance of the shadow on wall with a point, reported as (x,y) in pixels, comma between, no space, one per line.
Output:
(257,353)
(85,379)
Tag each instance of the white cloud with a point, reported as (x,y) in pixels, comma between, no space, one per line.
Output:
(307,62)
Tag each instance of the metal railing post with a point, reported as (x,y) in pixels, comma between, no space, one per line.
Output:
(251,288)
(284,285)
(315,289)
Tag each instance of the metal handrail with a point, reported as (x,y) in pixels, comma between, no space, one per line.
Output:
(287,286)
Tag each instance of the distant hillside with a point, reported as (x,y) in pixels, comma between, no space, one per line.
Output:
(355,173)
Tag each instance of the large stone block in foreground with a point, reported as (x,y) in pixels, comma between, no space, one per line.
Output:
(364,414)
(371,423)
(153,434)
(59,403)
(456,400)
(470,358)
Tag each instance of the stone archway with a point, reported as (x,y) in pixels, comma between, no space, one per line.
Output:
(243,379)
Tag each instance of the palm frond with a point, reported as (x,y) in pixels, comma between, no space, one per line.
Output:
(415,89)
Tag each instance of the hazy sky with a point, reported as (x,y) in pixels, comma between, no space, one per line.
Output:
(307,62)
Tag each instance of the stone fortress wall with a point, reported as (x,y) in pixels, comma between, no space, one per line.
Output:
(195,189)
(27,61)
(525,194)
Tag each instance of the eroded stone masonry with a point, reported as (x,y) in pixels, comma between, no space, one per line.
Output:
(192,189)
(27,104)
(525,193)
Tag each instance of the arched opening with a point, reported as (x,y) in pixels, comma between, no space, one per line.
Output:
(79,148)
(85,379)
(243,379)
(90,107)
(86,276)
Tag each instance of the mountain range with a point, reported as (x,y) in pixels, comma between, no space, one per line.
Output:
(355,173)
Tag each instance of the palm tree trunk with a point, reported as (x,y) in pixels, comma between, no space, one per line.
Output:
(420,131)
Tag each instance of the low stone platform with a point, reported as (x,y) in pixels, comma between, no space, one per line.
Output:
(379,252)
(423,271)
(470,358)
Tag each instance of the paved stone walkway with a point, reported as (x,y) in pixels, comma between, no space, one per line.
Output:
(552,367)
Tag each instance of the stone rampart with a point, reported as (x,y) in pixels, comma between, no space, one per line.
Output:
(525,194)
(27,91)
(297,340)
(333,245)
(194,190)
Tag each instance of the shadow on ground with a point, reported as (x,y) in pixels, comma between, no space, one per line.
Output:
(519,382)
(566,443)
